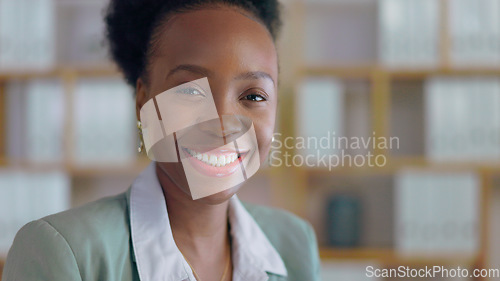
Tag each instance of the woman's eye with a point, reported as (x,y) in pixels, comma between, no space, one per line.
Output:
(190,91)
(254,97)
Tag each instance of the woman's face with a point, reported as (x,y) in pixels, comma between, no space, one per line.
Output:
(237,56)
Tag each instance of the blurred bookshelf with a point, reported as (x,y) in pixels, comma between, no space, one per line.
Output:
(66,114)
(373,62)
(398,68)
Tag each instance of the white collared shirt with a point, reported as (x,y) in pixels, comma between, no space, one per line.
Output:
(157,255)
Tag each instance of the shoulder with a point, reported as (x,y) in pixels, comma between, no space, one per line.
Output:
(99,227)
(62,246)
(73,239)
(293,238)
(39,252)
(106,214)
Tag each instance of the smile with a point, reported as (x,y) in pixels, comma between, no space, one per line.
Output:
(215,163)
(213,159)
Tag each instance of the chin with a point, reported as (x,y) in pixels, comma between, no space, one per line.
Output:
(220,197)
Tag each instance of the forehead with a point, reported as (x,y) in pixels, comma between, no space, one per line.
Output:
(216,37)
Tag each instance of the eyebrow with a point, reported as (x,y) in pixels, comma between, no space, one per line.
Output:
(250,75)
(254,75)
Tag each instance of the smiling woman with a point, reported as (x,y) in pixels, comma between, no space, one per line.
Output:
(204,74)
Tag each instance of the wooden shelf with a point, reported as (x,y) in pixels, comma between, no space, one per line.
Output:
(80,170)
(390,257)
(368,71)
(347,72)
(421,74)
(423,162)
(395,164)
(340,71)
(108,170)
(100,70)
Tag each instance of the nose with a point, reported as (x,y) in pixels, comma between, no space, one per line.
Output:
(228,125)
(223,127)
(231,125)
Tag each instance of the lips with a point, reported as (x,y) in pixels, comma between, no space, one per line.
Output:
(213,159)
(215,163)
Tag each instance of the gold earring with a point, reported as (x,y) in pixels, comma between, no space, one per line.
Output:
(270,151)
(141,143)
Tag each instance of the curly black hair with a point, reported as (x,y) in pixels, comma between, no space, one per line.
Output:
(130,26)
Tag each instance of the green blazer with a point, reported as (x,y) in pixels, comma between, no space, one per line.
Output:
(93,242)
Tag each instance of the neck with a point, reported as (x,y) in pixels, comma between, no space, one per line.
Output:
(199,229)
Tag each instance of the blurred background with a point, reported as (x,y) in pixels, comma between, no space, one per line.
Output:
(423,72)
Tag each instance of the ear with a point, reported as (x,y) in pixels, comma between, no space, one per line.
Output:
(141,96)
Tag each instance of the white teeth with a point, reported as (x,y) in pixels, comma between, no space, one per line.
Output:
(222,161)
(212,159)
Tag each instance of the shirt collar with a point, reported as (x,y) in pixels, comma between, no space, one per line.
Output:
(157,255)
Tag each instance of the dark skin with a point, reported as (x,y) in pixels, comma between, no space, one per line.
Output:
(238,56)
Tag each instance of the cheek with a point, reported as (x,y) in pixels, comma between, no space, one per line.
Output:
(264,130)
